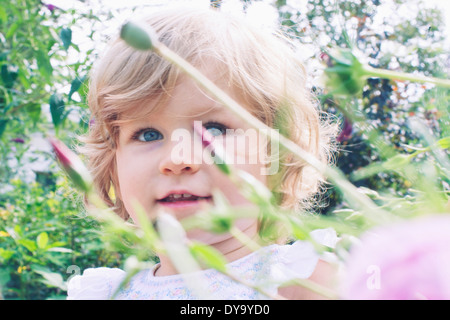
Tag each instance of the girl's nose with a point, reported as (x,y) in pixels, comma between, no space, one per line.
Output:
(177,169)
(179,161)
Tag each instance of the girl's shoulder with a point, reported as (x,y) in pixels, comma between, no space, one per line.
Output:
(299,259)
(95,284)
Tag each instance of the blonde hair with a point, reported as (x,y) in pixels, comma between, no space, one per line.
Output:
(272,80)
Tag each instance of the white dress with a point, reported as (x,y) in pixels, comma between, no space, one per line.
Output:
(266,268)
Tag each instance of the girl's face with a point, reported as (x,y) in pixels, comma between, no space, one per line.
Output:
(159,165)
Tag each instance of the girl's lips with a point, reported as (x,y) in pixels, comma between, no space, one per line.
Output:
(185,203)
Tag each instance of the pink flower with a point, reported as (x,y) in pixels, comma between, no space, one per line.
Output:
(72,165)
(18,140)
(207,142)
(51,7)
(346,132)
(403,261)
(205,135)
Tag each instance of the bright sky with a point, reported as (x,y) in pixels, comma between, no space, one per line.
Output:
(261,10)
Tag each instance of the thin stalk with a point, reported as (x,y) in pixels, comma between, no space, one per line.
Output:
(395,75)
(244,239)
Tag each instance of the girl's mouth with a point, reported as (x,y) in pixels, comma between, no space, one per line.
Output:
(183,200)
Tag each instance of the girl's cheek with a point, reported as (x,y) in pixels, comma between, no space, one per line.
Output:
(142,148)
(244,149)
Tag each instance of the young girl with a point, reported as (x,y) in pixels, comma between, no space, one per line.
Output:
(139,100)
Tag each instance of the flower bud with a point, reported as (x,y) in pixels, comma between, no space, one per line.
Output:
(72,165)
(345,73)
(18,140)
(216,152)
(346,132)
(138,36)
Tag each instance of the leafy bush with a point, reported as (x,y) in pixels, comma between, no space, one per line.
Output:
(44,239)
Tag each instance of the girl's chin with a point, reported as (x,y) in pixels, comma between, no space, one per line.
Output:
(247,226)
(207,237)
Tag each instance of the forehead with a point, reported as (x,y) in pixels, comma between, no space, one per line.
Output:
(188,98)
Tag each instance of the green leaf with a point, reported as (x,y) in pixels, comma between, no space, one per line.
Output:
(5,276)
(56,244)
(12,30)
(44,65)
(42,240)
(3,15)
(444,143)
(60,250)
(6,254)
(339,69)
(3,123)
(75,86)
(29,244)
(397,162)
(34,112)
(209,256)
(51,279)
(299,232)
(57,109)
(66,37)
(9,75)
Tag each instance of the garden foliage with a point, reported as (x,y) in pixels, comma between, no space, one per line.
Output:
(393,144)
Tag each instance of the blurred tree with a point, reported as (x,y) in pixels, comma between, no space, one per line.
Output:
(42,78)
(391,34)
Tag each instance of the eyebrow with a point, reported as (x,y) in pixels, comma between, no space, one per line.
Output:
(200,110)
(197,111)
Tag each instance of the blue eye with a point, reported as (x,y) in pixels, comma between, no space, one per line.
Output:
(148,135)
(216,129)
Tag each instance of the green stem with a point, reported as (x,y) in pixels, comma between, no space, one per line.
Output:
(394,75)
(244,239)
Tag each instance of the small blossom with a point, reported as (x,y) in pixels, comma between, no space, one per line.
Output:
(18,140)
(91,122)
(72,165)
(21,269)
(346,132)
(207,137)
(51,7)
(217,153)
(4,234)
(4,214)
